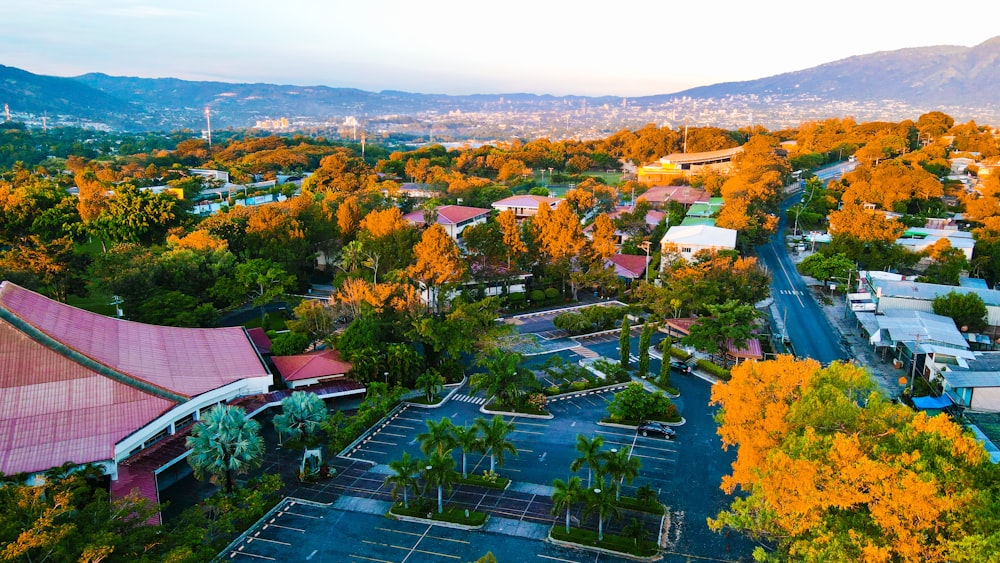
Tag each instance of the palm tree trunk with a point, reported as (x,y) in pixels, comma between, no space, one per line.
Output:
(465,474)
(600,528)
(493,459)
(440,504)
(567,518)
(406,501)
(229,481)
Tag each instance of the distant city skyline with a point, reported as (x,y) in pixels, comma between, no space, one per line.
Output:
(625,48)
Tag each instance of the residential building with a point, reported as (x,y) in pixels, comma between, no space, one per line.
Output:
(689,240)
(454,218)
(917,239)
(660,196)
(969,379)
(629,267)
(686,164)
(524,206)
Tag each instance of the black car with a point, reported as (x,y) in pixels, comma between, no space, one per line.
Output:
(680,367)
(656,429)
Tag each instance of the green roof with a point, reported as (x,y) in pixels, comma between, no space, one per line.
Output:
(692,221)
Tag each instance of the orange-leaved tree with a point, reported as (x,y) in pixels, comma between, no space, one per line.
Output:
(439,263)
(833,471)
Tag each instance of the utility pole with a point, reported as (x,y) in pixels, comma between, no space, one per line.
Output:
(913,369)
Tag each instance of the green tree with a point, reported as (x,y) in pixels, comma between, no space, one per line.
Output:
(634,530)
(438,437)
(225,443)
(302,415)
(634,404)
(431,382)
(404,475)
(263,281)
(644,338)
(467,438)
(599,500)
(495,433)
(503,377)
(967,310)
(565,494)
(664,379)
(440,473)
(624,342)
(824,268)
(730,323)
(590,455)
(619,465)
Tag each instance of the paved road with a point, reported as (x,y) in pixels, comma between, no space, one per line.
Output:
(808,328)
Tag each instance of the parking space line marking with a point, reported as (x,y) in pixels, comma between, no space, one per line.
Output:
(370,558)
(255,538)
(442,538)
(556,558)
(668,460)
(381,442)
(383,544)
(526,423)
(393,435)
(448,555)
(371,451)
(516,431)
(235,553)
(404,532)
(266,526)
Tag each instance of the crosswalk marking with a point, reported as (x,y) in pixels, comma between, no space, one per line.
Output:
(468,399)
(791,292)
(586,352)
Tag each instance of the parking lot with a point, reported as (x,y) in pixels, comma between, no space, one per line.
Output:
(347,523)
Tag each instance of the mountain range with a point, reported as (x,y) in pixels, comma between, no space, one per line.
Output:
(961,81)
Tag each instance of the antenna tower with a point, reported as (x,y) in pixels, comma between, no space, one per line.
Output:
(208,122)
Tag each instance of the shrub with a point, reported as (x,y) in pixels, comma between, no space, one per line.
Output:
(515,300)
(289,343)
(578,385)
(536,296)
(552,294)
(717,371)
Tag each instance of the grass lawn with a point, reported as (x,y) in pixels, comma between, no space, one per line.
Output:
(421,508)
(499,483)
(611,542)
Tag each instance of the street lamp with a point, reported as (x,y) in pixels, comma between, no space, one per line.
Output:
(645,246)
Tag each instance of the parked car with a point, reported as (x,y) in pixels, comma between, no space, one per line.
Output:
(680,367)
(650,428)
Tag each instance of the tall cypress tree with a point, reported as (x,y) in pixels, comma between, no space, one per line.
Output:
(623,342)
(644,338)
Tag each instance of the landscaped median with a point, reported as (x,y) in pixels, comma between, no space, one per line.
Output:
(634,548)
(423,510)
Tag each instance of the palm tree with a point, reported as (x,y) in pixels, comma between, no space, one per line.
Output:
(440,472)
(634,530)
(438,437)
(646,494)
(503,376)
(590,455)
(565,494)
(225,443)
(495,439)
(599,500)
(405,471)
(302,414)
(431,382)
(620,465)
(467,438)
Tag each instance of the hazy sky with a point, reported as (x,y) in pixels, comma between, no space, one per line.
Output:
(614,47)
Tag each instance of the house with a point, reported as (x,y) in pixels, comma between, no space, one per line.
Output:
(969,379)
(319,367)
(524,206)
(892,294)
(653,218)
(689,240)
(417,191)
(629,267)
(84,388)
(686,164)
(917,239)
(660,196)
(752,349)
(454,218)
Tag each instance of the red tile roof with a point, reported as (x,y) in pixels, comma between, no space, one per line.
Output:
(260,340)
(526,201)
(73,384)
(629,265)
(685,195)
(325,363)
(455,214)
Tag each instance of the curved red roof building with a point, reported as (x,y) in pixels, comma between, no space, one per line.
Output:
(80,387)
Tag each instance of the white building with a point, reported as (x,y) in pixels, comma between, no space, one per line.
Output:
(688,240)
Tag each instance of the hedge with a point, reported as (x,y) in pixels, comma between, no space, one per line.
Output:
(720,372)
